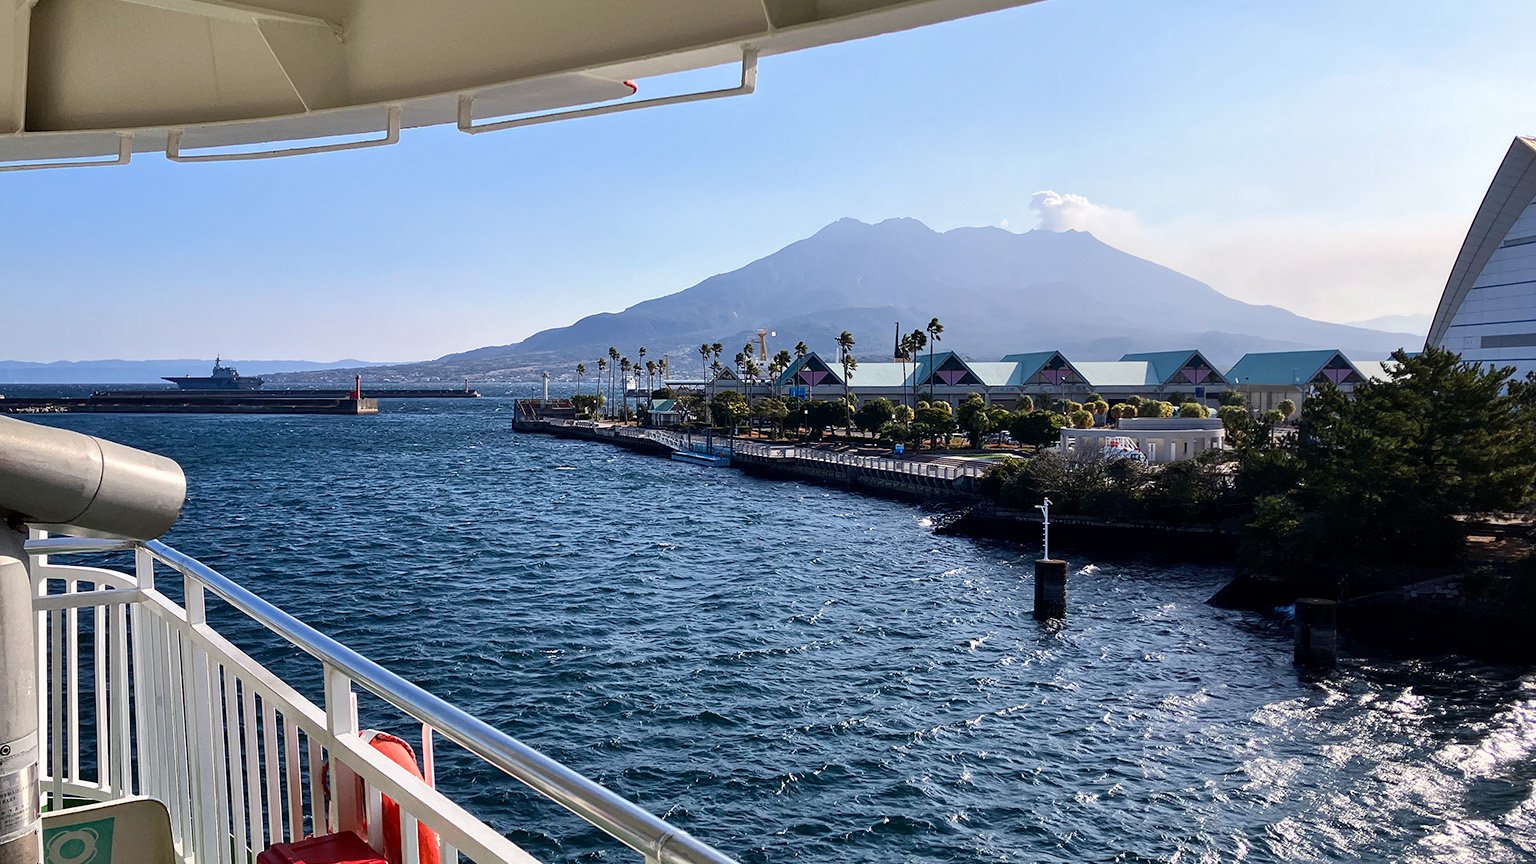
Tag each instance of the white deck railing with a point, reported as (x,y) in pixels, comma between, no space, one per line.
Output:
(174,711)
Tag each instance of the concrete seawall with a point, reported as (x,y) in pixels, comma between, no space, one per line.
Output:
(903,480)
(860,478)
(929,482)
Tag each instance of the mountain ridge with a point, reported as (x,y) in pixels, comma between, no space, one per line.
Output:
(996,292)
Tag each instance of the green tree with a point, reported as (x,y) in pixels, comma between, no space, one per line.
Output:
(1286,408)
(587,404)
(1153,408)
(1194,409)
(1026,404)
(1233,418)
(975,418)
(1036,428)
(824,413)
(729,409)
(874,414)
(1384,476)
(581,369)
(935,422)
(772,411)
(1081,419)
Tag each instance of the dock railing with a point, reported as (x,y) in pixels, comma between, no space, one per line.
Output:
(174,711)
(919,466)
(942,468)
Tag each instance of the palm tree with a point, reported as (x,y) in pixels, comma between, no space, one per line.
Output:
(613,373)
(651,368)
(919,340)
(904,354)
(581,369)
(638,364)
(934,329)
(781,360)
(704,360)
(801,350)
(602,364)
(845,357)
(716,349)
(625,366)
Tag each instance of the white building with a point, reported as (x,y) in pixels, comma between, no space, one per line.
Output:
(1170,439)
(1488,311)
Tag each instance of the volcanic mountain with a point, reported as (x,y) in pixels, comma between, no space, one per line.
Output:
(997,292)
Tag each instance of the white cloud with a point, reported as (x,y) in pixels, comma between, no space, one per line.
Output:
(1330,270)
(1060,211)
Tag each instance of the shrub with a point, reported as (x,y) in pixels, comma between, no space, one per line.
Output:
(1194,409)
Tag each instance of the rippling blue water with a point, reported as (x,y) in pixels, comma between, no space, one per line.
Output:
(794,673)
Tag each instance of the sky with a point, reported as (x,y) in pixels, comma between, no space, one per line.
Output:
(1321,156)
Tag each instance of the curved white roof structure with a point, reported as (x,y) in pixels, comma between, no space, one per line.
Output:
(1488,310)
(88,81)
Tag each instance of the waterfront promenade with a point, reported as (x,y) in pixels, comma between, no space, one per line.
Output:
(924,476)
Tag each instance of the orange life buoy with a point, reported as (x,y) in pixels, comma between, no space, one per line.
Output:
(399,752)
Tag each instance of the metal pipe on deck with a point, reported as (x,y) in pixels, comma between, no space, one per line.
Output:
(54,477)
(21,839)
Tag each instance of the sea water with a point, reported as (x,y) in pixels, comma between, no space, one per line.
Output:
(797,673)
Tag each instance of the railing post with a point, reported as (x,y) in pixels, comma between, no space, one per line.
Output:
(206,793)
(340,720)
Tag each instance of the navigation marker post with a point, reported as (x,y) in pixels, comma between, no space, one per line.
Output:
(1050,575)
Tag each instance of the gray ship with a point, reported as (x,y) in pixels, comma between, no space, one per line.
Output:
(223,378)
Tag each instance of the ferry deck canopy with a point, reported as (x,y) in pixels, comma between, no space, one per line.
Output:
(94,81)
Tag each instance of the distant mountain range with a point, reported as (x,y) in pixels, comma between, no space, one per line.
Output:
(995,291)
(145,371)
(1415,324)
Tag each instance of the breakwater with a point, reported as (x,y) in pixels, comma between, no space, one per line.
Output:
(189,402)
